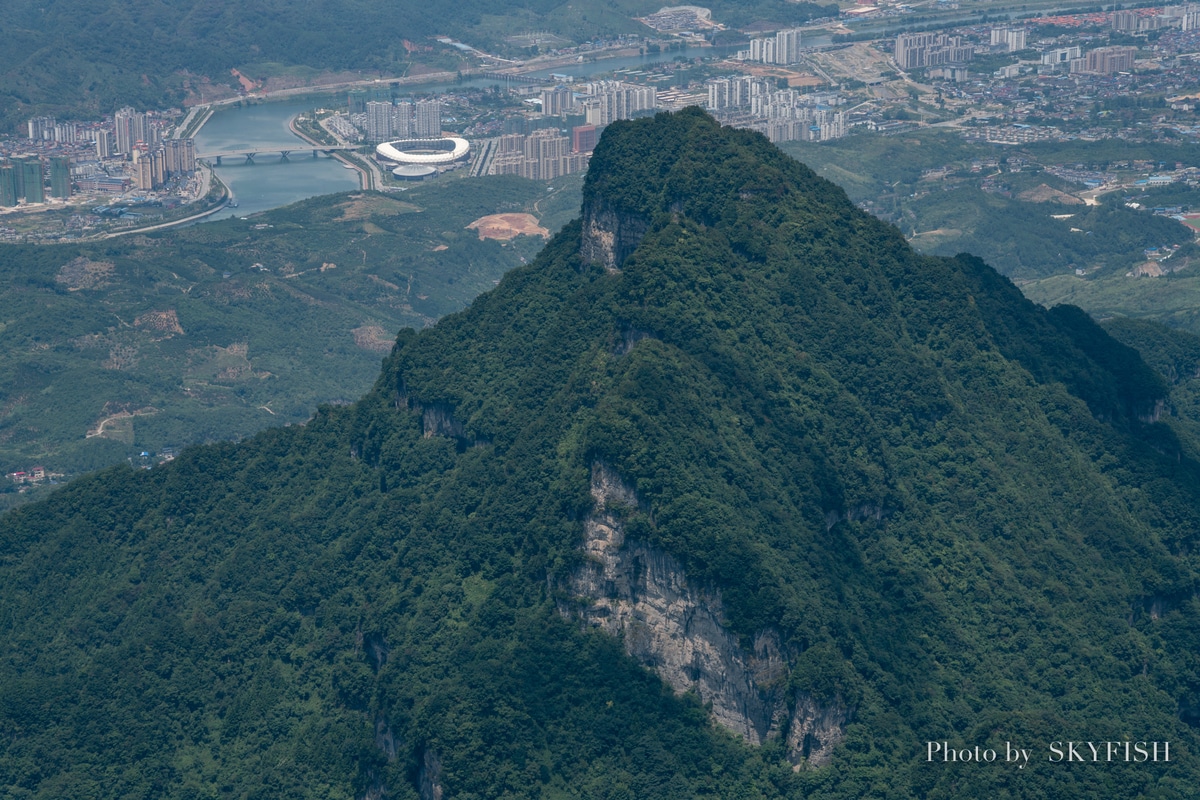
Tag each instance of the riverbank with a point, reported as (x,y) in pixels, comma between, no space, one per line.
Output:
(367,179)
(221,203)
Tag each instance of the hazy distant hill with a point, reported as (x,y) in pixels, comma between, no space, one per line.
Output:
(87,59)
(728,494)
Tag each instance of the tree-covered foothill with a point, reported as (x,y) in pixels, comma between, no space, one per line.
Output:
(1016,216)
(953,507)
(218,330)
(57,59)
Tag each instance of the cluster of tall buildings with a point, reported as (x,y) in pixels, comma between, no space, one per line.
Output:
(134,137)
(48,129)
(1061,56)
(605,102)
(131,127)
(783,48)
(1012,39)
(1105,60)
(1185,16)
(918,50)
(542,155)
(557,101)
(155,165)
(23,178)
(155,160)
(404,120)
(782,115)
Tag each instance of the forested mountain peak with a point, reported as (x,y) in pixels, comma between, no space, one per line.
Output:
(729,493)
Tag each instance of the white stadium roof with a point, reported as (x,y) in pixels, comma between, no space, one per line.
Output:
(417,151)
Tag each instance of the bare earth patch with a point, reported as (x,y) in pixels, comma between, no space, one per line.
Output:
(508,226)
(165,321)
(1047,194)
(359,206)
(373,338)
(118,426)
(83,273)
(1148,269)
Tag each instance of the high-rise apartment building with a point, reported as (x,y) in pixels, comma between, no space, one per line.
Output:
(787,46)
(130,128)
(8,184)
(557,101)
(609,101)
(104,144)
(60,177)
(179,156)
(1013,39)
(1061,56)
(65,132)
(917,50)
(402,120)
(1106,60)
(427,122)
(1133,22)
(542,155)
(40,128)
(379,121)
(583,138)
(31,178)
(783,48)
(143,173)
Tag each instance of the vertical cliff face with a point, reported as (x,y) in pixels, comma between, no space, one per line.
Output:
(429,777)
(642,596)
(609,236)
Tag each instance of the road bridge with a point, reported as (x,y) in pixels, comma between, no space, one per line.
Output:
(284,151)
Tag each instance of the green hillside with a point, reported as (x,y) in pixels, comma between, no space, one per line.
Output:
(62,57)
(728,494)
(216,331)
(1019,236)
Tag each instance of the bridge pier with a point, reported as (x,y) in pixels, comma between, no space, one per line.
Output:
(250,157)
(218,161)
(314,153)
(283,155)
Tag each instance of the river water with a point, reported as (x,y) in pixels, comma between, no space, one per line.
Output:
(271,182)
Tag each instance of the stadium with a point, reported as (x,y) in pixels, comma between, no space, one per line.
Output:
(425,152)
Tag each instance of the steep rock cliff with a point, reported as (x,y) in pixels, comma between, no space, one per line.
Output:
(641,595)
(609,236)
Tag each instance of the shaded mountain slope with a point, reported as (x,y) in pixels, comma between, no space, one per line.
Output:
(843,499)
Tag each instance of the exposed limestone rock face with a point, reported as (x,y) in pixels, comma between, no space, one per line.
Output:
(430,777)
(641,595)
(437,420)
(609,237)
(814,730)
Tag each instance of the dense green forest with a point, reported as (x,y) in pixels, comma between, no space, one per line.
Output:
(963,518)
(218,330)
(58,59)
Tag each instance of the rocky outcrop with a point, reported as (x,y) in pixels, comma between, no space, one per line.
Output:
(438,420)
(627,337)
(429,776)
(814,729)
(641,595)
(608,236)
